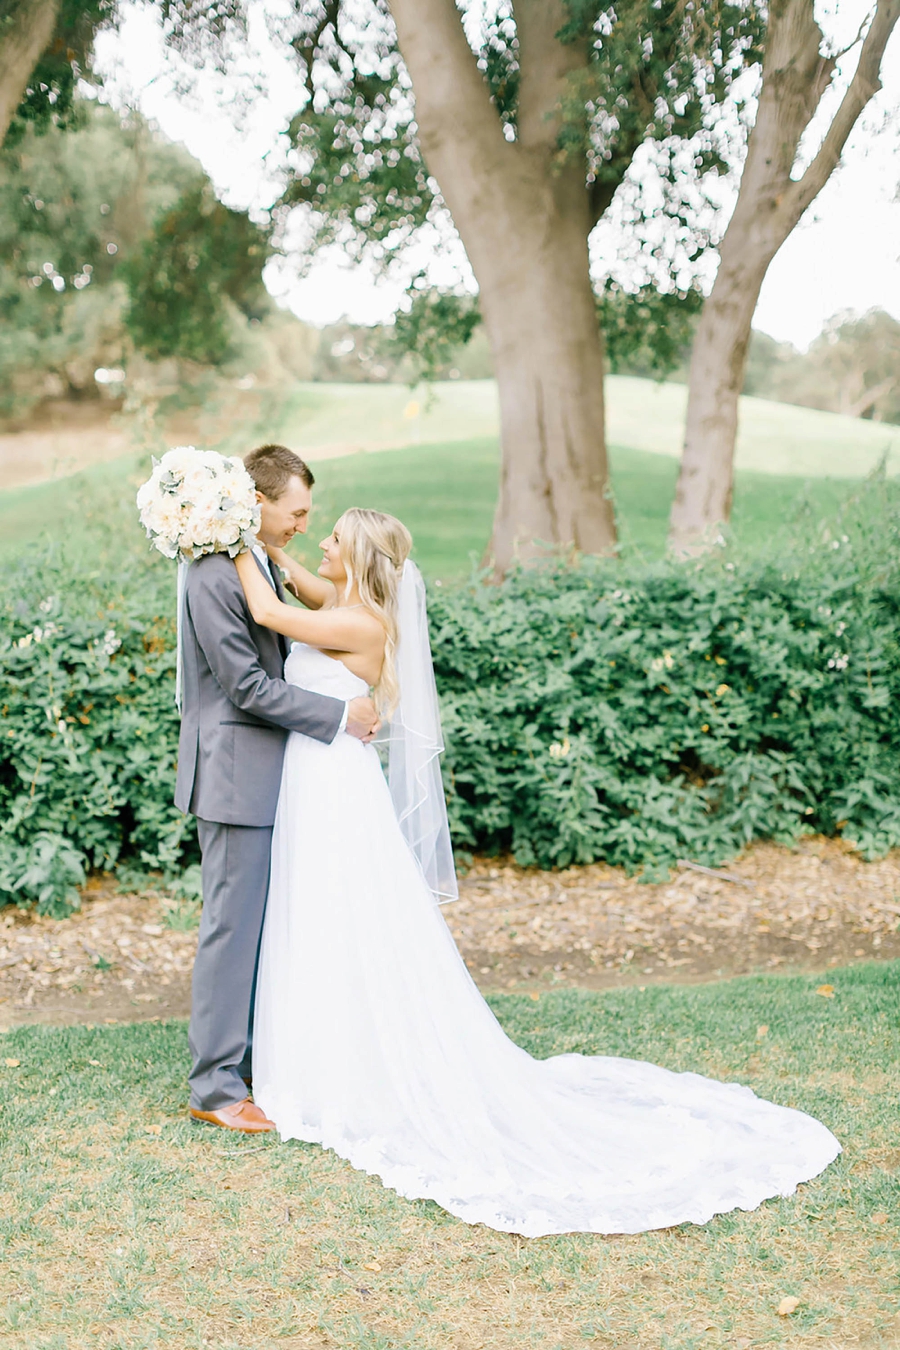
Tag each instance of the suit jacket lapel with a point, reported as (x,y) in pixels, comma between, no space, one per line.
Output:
(283,642)
(272,574)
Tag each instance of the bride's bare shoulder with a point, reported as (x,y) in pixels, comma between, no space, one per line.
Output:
(366,620)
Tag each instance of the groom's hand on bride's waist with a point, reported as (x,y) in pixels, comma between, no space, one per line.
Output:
(362,719)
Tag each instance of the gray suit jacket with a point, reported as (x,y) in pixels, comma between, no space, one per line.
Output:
(236,705)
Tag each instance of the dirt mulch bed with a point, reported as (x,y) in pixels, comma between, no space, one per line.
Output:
(809,907)
(120,957)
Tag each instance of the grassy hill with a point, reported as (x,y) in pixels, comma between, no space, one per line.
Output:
(774,438)
(441,476)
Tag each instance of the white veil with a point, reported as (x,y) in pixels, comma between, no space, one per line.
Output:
(181,585)
(415,743)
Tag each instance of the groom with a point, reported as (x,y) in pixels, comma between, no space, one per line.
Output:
(236,714)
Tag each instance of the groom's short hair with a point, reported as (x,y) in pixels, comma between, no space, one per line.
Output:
(273,466)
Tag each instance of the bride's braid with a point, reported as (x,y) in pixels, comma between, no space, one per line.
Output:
(374,548)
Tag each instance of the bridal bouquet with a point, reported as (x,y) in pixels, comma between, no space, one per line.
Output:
(197,502)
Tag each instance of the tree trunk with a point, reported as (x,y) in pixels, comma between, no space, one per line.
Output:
(769,205)
(541,320)
(26,27)
(524,219)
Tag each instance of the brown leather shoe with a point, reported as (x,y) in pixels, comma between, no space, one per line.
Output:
(243,1115)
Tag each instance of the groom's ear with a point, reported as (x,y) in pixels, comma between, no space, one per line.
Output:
(260,496)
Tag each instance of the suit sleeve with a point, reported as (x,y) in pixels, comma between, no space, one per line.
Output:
(221,623)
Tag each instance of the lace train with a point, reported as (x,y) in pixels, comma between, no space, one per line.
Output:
(372,1039)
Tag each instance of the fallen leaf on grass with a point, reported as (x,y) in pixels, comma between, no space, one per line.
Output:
(372,1265)
(826,990)
(534,997)
(879,1218)
(153,1129)
(787,1306)
(12,1063)
(762,1032)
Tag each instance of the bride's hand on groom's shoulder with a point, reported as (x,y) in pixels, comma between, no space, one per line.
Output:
(305,586)
(362,719)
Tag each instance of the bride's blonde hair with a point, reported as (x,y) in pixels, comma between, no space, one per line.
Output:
(374,547)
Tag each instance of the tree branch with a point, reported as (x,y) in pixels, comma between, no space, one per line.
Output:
(869,397)
(544,65)
(602,190)
(864,85)
(836,56)
(452,97)
(307,44)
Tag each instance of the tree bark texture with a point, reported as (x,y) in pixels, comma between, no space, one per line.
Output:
(524,219)
(24,37)
(769,205)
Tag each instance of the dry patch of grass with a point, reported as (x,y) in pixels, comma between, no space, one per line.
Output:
(124,1226)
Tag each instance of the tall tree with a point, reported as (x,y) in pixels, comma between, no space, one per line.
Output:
(795,76)
(853,368)
(521,120)
(107,224)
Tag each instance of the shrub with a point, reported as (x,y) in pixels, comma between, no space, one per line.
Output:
(627,711)
(88,727)
(640,713)
(46,872)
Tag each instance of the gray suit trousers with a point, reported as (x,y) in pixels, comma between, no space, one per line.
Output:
(235,872)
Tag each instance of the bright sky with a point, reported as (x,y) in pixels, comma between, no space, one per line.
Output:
(844,255)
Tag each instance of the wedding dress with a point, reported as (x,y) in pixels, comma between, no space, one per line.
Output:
(372,1039)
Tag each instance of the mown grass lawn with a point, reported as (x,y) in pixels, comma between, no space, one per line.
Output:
(773,438)
(444,491)
(442,477)
(446,494)
(124,1226)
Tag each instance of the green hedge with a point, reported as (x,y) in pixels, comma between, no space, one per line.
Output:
(88,727)
(633,712)
(645,714)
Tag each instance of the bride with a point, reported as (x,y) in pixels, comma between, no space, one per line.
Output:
(370,1036)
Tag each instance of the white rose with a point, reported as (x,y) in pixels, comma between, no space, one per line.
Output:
(178,459)
(224,532)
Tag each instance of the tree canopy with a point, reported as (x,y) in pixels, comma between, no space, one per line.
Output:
(644,75)
(85,235)
(520,122)
(198,255)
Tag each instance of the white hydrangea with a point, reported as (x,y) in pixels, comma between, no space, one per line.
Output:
(197,502)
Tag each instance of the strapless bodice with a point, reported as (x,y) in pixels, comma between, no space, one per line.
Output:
(311,669)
